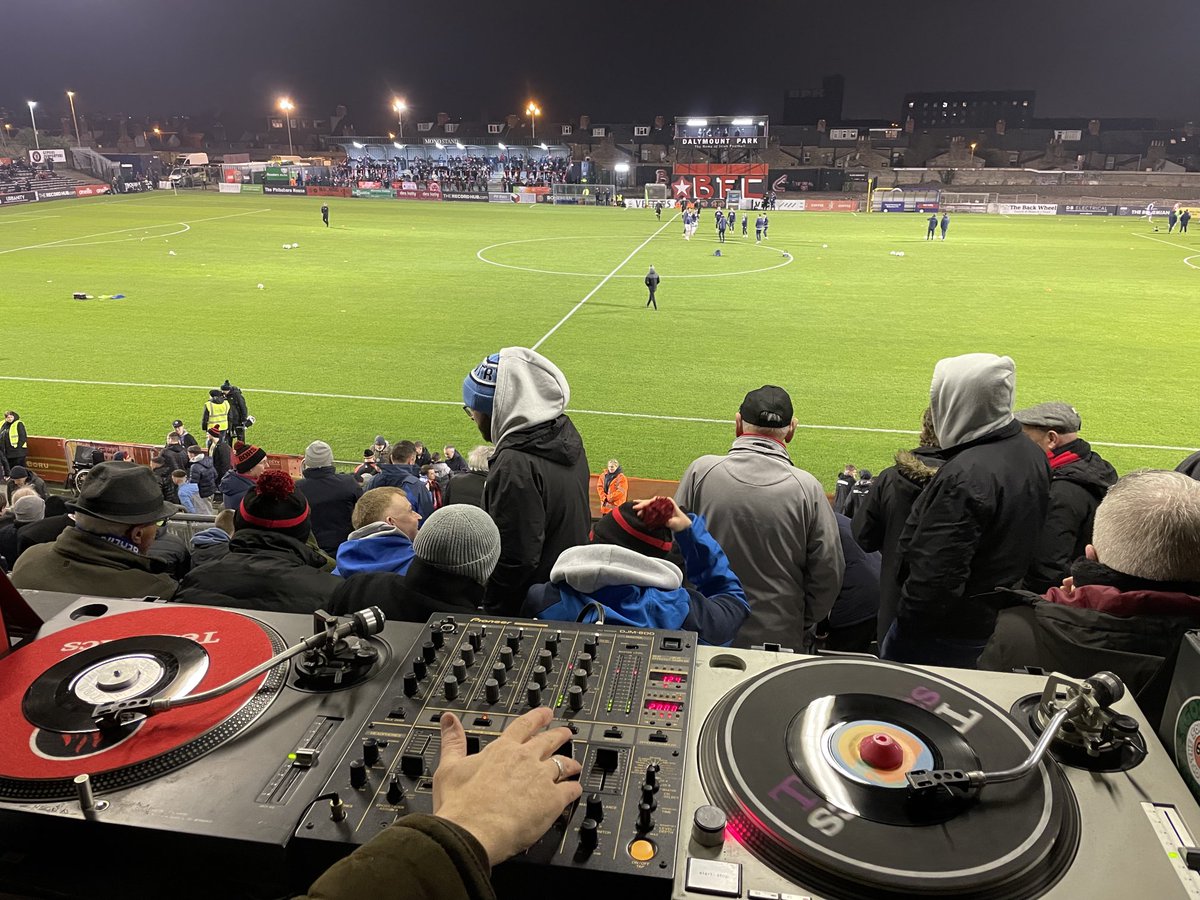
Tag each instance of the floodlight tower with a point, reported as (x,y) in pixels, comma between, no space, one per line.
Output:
(287,106)
(533,111)
(399,106)
(71,97)
(33,119)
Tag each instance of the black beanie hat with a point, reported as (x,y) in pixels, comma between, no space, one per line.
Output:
(646,534)
(273,505)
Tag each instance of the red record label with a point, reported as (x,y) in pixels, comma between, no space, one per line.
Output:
(233,644)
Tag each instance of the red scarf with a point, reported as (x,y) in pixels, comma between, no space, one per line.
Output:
(1063,459)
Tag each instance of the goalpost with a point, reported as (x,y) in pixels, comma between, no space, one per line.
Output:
(581,194)
(964,202)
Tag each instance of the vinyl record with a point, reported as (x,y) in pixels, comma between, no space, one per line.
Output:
(783,755)
(1187,743)
(48,689)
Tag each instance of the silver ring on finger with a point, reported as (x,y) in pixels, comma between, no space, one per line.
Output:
(558,765)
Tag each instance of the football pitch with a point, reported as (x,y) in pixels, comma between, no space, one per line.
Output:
(369,326)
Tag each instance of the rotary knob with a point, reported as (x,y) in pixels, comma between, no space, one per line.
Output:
(419,667)
(370,751)
(708,826)
(552,643)
(450,687)
(545,659)
(533,694)
(588,836)
(506,657)
(575,697)
(459,670)
(410,684)
(358,774)
(580,679)
(475,639)
(491,690)
(395,791)
(514,642)
(539,675)
(644,820)
(652,776)
(438,638)
(584,662)
(595,808)
(428,651)
(499,673)
(467,654)
(591,645)
(648,795)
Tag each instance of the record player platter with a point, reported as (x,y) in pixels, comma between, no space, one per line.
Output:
(808,761)
(49,690)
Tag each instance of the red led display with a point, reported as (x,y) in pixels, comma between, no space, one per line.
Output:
(668,677)
(663,706)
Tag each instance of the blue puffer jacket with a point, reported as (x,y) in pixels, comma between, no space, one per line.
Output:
(377,547)
(638,590)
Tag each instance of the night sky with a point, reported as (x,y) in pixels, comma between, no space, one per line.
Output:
(616,60)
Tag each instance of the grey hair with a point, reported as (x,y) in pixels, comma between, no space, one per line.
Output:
(101,526)
(1148,526)
(478,459)
(780,434)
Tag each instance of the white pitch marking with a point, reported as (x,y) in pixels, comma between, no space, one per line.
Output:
(603,282)
(582,412)
(83,237)
(18,219)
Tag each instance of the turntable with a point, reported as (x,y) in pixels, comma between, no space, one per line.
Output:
(853,778)
(166,729)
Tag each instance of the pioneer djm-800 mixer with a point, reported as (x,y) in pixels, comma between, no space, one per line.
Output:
(623,692)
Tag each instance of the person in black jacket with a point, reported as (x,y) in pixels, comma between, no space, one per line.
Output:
(467,487)
(269,565)
(220,452)
(879,519)
(12,441)
(1190,466)
(841,490)
(975,527)
(860,492)
(454,459)
(20,477)
(1079,479)
(174,453)
(403,472)
(239,415)
(202,474)
(538,477)
(851,624)
(456,553)
(331,496)
(1128,601)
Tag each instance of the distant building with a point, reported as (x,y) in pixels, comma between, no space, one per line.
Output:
(970,109)
(808,106)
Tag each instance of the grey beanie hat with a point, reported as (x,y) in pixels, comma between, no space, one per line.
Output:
(30,508)
(318,455)
(460,539)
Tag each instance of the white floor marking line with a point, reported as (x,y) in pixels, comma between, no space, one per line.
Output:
(84,237)
(581,412)
(20,219)
(603,282)
(1168,243)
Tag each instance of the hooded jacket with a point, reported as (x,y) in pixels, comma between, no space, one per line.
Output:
(331,496)
(234,486)
(1131,629)
(538,477)
(777,527)
(975,527)
(13,438)
(202,474)
(263,570)
(209,545)
(639,590)
(376,547)
(82,563)
(1079,479)
(880,518)
(34,480)
(612,488)
(1190,466)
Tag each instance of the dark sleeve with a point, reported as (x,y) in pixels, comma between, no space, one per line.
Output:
(1055,548)
(719,605)
(1014,642)
(21,436)
(511,497)
(939,545)
(870,519)
(419,857)
(204,419)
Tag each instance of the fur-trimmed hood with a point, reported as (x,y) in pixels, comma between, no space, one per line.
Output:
(919,465)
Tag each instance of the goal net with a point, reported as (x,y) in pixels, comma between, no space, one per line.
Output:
(582,194)
(658,192)
(962,202)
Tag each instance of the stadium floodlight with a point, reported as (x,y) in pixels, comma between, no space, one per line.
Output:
(357,145)
(459,145)
(287,106)
(397,145)
(544,147)
(501,146)
(697,122)
(399,106)
(743,121)
(533,111)
(36,142)
(439,145)
(71,97)
(621,167)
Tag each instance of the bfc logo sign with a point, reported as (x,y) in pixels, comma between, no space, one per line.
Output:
(714,181)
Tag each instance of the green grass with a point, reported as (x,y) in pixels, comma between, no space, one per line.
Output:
(392,302)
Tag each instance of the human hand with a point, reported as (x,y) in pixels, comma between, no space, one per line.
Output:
(508,794)
(679,520)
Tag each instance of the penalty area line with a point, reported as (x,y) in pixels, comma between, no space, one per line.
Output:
(603,282)
(580,412)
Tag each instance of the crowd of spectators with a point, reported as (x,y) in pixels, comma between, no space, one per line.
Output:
(464,172)
(19,175)
(526,171)
(1003,539)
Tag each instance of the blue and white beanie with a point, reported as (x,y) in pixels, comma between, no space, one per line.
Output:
(479,387)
